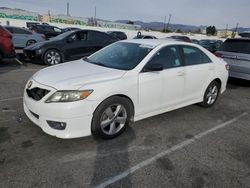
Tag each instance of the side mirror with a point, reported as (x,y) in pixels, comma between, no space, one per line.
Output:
(153,68)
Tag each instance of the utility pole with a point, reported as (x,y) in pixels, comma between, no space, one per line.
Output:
(68,9)
(170,15)
(95,17)
(236,28)
(164,29)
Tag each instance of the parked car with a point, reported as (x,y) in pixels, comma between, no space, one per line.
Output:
(47,30)
(195,41)
(245,34)
(144,37)
(211,45)
(236,52)
(68,46)
(70,29)
(128,80)
(6,44)
(181,38)
(118,34)
(23,37)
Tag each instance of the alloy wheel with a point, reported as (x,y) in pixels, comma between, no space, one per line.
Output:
(113,119)
(212,94)
(53,57)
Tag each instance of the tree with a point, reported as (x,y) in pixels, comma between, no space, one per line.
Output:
(130,22)
(211,30)
(166,31)
(178,31)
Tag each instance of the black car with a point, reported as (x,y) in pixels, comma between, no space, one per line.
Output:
(181,38)
(48,30)
(211,45)
(118,34)
(68,46)
(70,29)
(144,37)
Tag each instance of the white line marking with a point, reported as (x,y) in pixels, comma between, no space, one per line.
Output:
(168,151)
(19,61)
(10,99)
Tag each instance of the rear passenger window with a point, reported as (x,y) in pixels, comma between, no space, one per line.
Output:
(236,45)
(169,57)
(194,56)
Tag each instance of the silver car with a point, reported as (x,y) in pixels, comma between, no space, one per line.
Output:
(23,37)
(236,52)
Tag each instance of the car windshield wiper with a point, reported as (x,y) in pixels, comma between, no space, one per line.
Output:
(101,64)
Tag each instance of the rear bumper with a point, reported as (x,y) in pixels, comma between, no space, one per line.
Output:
(240,75)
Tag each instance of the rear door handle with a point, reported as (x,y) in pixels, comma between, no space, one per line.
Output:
(180,73)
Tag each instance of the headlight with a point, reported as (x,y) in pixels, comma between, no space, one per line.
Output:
(68,96)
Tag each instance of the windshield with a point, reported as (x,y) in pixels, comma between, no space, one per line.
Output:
(120,55)
(62,36)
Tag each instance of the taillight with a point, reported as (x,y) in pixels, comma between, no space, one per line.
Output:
(227,67)
(218,54)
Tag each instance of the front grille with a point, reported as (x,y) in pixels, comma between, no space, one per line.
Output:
(37,93)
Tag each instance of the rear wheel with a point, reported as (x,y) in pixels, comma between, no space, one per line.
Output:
(52,57)
(29,42)
(211,94)
(111,117)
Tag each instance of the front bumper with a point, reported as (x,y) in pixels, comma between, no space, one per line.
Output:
(32,55)
(76,115)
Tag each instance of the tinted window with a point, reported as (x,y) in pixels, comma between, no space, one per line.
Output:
(169,57)
(20,31)
(238,46)
(194,56)
(99,36)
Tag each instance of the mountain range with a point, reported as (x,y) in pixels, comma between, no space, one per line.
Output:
(185,28)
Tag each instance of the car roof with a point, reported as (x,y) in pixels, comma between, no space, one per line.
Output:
(156,42)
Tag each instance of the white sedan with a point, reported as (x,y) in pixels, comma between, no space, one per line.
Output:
(128,80)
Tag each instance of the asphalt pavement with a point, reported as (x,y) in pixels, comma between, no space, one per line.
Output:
(189,147)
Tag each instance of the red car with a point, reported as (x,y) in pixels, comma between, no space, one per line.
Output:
(6,45)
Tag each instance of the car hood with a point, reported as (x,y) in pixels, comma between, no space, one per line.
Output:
(75,74)
(39,45)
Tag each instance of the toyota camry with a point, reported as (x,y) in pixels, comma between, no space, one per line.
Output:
(125,81)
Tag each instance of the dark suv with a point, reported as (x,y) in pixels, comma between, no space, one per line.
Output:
(236,52)
(6,44)
(47,30)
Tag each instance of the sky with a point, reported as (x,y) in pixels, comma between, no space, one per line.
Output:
(190,12)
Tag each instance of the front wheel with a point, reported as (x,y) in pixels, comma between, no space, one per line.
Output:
(211,94)
(111,118)
(52,57)
(30,42)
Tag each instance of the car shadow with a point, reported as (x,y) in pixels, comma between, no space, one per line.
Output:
(234,83)
(112,158)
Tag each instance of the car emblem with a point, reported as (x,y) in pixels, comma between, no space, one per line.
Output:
(29,84)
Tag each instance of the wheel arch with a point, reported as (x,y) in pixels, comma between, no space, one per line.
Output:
(132,106)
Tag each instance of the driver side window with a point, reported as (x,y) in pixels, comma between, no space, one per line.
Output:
(168,56)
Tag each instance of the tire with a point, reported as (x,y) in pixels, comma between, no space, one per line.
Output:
(111,118)
(211,94)
(52,57)
(29,42)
